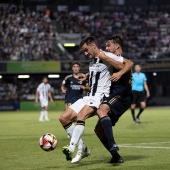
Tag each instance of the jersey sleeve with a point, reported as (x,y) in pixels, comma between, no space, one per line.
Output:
(66,80)
(49,88)
(114,57)
(38,88)
(144,78)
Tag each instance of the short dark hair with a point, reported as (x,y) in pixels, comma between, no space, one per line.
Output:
(117,38)
(76,62)
(44,77)
(88,39)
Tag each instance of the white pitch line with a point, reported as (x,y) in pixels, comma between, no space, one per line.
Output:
(146,143)
(144,147)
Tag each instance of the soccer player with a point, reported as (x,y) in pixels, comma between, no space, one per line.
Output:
(99,82)
(119,100)
(43,92)
(139,86)
(72,86)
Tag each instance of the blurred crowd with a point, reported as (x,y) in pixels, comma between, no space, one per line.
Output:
(26,35)
(146,34)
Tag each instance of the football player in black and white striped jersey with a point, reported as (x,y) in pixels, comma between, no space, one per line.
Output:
(100,72)
(43,93)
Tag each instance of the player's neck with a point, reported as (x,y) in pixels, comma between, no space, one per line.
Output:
(97,52)
(75,74)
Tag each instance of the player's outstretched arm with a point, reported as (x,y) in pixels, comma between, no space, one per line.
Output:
(112,59)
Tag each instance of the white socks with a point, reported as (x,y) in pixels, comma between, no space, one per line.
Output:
(46,115)
(43,114)
(77,133)
(70,131)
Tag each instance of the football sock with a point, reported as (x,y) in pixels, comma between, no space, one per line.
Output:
(101,135)
(69,129)
(41,115)
(46,114)
(107,127)
(133,113)
(77,133)
(140,111)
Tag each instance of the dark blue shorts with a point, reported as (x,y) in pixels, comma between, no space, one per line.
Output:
(118,105)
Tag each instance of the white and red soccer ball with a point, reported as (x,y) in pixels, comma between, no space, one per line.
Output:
(48,142)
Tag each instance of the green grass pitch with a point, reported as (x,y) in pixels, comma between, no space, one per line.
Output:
(143,147)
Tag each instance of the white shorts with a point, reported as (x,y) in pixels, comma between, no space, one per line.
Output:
(43,102)
(87,100)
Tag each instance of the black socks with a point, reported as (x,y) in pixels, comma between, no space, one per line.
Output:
(140,111)
(107,127)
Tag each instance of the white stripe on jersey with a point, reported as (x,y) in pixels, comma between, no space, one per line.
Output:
(100,73)
(43,90)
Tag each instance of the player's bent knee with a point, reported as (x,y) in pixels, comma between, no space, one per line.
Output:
(103,110)
(67,117)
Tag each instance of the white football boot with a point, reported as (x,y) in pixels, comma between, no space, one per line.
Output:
(81,153)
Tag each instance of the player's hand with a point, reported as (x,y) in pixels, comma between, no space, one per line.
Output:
(51,100)
(82,87)
(82,77)
(147,94)
(36,100)
(115,77)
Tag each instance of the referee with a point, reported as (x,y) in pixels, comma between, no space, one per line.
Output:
(139,86)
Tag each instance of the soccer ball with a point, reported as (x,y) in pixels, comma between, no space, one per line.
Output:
(48,142)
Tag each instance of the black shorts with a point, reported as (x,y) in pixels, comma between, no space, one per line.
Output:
(118,105)
(138,97)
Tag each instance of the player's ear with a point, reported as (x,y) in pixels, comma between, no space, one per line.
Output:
(94,45)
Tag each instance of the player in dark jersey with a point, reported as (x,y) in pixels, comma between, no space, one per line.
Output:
(72,86)
(116,104)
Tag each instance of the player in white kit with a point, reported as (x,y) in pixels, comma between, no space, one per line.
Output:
(43,93)
(99,82)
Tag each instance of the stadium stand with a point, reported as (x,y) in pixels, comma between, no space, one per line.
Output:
(146,34)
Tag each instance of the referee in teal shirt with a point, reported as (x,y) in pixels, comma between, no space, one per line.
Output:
(139,87)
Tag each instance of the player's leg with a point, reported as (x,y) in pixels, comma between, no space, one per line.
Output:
(142,107)
(116,158)
(42,113)
(118,105)
(78,131)
(46,112)
(133,106)
(106,124)
(66,119)
(142,100)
